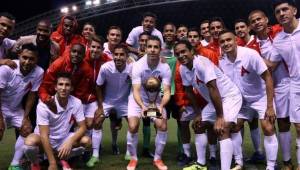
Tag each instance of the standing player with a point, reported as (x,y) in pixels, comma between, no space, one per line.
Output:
(216,25)
(114,37)
(53,131)
(14,84)
(247,69)
(181,32)
(224,102)
(205,34)
(113,87)
(285,48)
(138,102)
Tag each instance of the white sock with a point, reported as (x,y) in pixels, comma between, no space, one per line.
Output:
(285,140)
(271,148)
(255,136)
(187,149)
(237,149)
(226,151)
(298,150)
(132,141)
(160,142)
(96,141)
(18,151)
(31,153)
(212,151)
(201,143)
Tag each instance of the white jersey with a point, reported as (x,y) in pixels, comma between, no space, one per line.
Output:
(204,71)
(245,73)
(61,122)
(15,85)
(286,47)
(141,72)
(117,84)
(133,36)
(6,45)
(107,51)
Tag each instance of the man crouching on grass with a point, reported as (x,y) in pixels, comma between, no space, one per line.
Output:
(53,131)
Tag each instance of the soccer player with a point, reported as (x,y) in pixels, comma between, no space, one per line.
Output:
(14,84)
(148,25)
(53,131)
(113,88)
(87,31)
(114,37)
(216,25)
(224,102)
(247,69)
(204,32)
(138,102)
(242,30)
(285,48)
(181,32)
(143,37)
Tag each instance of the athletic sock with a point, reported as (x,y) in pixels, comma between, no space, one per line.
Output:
(146,136)
(96,141)
(160,142)
(179,141)
(187,149)
(285,140)
(31,153)
(200,143)
(237,149)
(226,151)
(18,151)
(271,148)
(114,136)
(132,141)
(255,137)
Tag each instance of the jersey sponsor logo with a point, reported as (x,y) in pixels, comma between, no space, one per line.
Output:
(244,71)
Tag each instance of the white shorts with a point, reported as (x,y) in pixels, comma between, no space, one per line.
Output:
(90,109)
(134,110)
(259,106)
(188,114)
(120,108)
(13,118)
(295,107)
(231,108)
(282,99)
(247,113)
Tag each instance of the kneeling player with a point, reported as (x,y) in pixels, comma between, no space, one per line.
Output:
(53,131)
(224,102)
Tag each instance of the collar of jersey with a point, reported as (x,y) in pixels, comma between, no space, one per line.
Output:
(59,108)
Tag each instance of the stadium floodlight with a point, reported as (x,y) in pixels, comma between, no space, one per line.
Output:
(96,2)
(88,2)
(64,10)
(74,8)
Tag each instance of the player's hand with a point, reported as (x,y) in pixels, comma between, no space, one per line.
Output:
(51,105)
(181,111)
(65,149)
(144,111)
(26,127)
(197,122)
(161,111)
(219,126)
(52,167)
(9,63)
(2,127)
(99,113)
(270,115)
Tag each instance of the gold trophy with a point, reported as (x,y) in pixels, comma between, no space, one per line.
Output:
(152,85)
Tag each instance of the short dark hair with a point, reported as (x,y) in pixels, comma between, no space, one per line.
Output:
(206,21)
(70,17)
(121,46)
(46,21)
(185,42)
(275,3)
(98,39)
(226,31)
(217,19)
(155,38)
(170,23)
(114,28)
(30,47)
(144,33)
(149,14)
(182,25)
(193,29)
(80,44)
(64,75)
(240,20)
(7,15)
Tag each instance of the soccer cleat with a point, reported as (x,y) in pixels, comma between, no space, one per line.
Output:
(132,164)
(92,162)
(159,164)
(65,165)
(237,167)
(115,150)
(147,154)
(15,167)
(185,161)
(196,166)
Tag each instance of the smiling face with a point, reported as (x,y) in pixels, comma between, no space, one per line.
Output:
(204,30)
(63,87)
(148,24)
(120,57)
(227,42)
(28,60)
(258,22)
(241,29)
(285,14)
(114,36)
(182,32)
(215,28)
(96,49)
(87,31)
(194,38)
(77,53)
(43,32)
(169,33)
(6,27)
(153,50)
(183,54)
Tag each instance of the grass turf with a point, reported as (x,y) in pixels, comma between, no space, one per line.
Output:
(112,162)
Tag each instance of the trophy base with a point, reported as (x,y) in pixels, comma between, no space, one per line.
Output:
(153,113)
